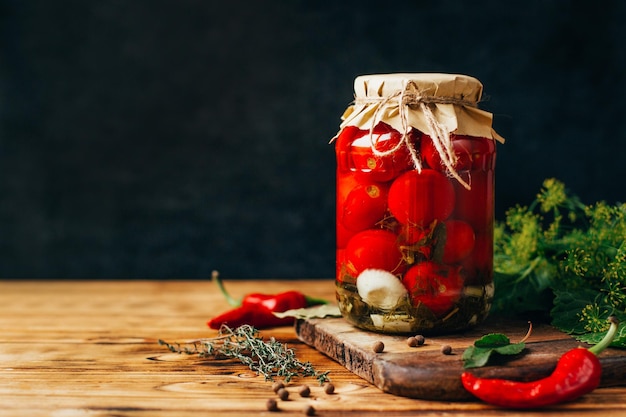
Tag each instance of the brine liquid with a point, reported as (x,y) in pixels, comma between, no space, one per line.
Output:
(423,228)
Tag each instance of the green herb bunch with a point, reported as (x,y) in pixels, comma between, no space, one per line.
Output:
(561,256)
(268,358)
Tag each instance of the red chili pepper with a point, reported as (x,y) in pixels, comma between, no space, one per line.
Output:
(577,373)
(257,309)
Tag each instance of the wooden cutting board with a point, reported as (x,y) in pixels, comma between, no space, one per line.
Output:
(424,372)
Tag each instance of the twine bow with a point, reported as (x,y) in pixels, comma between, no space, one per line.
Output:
(440,135)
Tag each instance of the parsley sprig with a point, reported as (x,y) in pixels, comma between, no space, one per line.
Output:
(561,256)
(478,354)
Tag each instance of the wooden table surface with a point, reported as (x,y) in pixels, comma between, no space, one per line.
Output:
(90,348)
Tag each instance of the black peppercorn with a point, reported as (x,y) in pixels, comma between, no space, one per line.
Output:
(304,391)
(329,388)
(378,347)
(283,394)
(271,405)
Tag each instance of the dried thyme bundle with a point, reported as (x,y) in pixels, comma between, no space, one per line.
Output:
(268,358)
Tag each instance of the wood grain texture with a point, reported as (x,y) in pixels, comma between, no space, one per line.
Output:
(424,372)
(90,349)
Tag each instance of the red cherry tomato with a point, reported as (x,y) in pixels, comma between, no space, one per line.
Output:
(379,168)
(420,198)
(471,152)
(475,205)
(436,286)
(459,241)
(343,235)
(365,205)
(360,205)
(343,144)
(475,163)
(345,183)
(478,266)
(375,248)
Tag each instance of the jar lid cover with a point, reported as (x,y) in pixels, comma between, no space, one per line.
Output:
(403,99)
(455,86)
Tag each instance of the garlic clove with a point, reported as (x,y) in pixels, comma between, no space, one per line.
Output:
(380,289)
(398,323)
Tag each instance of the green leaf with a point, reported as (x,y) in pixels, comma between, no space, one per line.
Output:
(512,349)
(514,296)
(492,340)
(474,357)
(479,353)
(567,309)
(593,338)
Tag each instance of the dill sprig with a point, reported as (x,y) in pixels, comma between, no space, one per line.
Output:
(565,258)
(269,358)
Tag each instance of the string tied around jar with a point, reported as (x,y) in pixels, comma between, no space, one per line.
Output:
(408,97)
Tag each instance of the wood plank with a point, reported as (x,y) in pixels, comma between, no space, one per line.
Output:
(424,372)
(88,348)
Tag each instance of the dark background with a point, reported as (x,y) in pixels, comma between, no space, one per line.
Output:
(165,139)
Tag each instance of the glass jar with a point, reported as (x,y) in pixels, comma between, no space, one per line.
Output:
(415,200)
